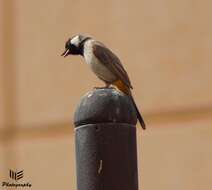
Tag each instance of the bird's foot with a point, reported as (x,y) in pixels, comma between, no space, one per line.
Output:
(104,87)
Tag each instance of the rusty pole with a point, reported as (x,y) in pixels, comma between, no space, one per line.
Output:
(105,139)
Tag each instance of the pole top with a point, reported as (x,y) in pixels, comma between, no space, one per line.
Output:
(106,105)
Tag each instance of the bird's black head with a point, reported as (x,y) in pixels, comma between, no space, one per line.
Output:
(74,45)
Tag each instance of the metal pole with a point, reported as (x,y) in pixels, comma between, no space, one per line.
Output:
(105,139)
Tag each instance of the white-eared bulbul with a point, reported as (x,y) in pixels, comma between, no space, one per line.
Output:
(104,63)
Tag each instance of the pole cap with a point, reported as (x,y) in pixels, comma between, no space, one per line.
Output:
(105,105)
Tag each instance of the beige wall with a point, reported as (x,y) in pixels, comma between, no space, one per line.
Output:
(1,68)
(166,49)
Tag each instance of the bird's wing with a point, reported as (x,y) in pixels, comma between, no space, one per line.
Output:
(112,62)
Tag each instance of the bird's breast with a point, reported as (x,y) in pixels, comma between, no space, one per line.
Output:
(97,66)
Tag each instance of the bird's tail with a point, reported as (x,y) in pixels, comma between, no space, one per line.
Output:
(125,89)
(140,118)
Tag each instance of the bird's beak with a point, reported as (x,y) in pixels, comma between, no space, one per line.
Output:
(65,53)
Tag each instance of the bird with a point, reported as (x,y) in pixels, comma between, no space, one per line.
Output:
(104,63)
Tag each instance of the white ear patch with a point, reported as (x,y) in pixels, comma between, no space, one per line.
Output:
(75,41)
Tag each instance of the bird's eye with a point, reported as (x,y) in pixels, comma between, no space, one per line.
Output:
(67,45)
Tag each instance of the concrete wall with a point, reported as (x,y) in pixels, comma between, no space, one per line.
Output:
(165,47)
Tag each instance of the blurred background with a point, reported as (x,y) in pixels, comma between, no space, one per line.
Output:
(166,48)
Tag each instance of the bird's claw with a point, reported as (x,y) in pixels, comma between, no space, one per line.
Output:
(104,87)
